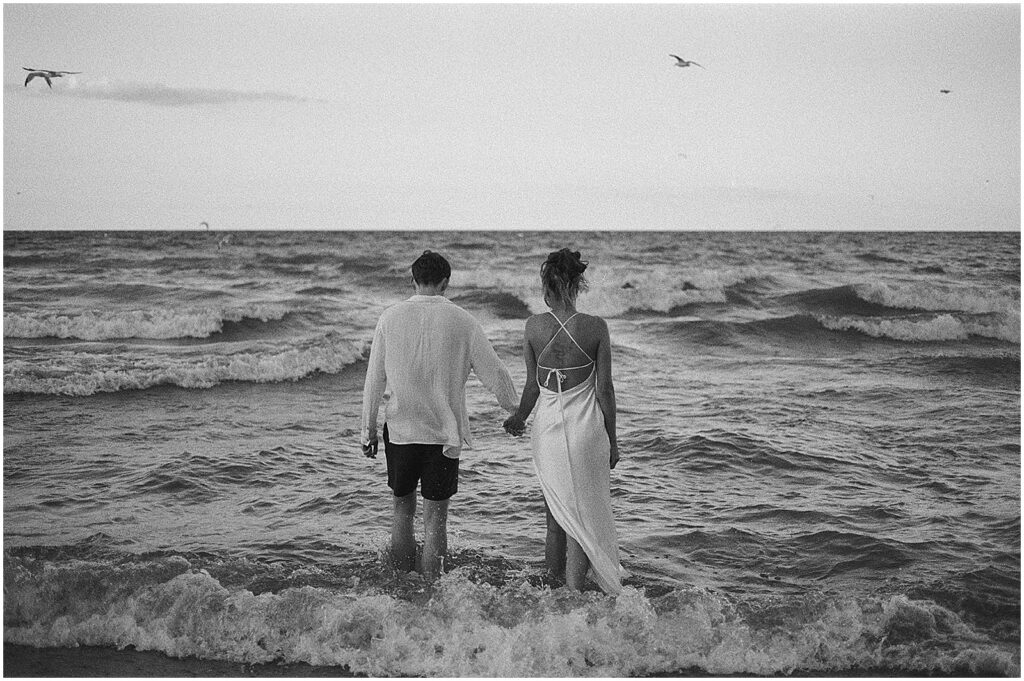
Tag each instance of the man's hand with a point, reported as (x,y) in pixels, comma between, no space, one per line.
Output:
(370,448)
(514,425)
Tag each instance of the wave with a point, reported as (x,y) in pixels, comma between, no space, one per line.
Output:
(822,330)
(877,257)
(1006,366)
(320,291)
(616,292)
(105,292)
(156,323)
(937,298)
(486,617)
(838,300)
(504,305)
(29,259)
(877,299)
(82,373)
(931,328)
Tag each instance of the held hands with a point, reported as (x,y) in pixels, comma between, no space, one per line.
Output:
(370,449)
(514,425)
(614,457)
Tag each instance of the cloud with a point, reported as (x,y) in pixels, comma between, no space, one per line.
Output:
(165,95)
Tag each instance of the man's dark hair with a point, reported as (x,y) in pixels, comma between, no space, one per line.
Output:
(430,268)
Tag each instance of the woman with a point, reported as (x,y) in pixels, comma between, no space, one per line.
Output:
(568,364)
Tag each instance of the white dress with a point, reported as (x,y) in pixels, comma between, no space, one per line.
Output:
(570,454)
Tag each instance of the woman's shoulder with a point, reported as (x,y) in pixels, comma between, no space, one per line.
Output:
(545,320)
(534,320)
(535,323)
(592,322)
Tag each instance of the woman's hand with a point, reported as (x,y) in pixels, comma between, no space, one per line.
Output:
(614,457)
(514,425)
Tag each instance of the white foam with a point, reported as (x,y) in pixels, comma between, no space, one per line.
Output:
(468,629)
(155,323)
(944,327)
(936,297)
(615,291)
(84,373)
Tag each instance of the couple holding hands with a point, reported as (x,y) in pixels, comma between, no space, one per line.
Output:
(423,350)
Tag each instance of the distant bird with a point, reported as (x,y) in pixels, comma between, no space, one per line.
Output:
(945,92)
(682,63)
(46,75)
(205,224)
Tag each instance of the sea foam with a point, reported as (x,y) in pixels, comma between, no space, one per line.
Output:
(155,323)
(613,292)
(80,373)
(466,628)
(935,328)
(934,297)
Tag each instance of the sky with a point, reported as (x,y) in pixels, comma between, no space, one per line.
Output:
(513,116)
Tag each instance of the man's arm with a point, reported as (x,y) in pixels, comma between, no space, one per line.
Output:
(490,369)
(373,392)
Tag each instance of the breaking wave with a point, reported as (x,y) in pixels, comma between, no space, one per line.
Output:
(87,372)
(155,323)
(936,298)
(880,299)
(820,330)
(475,622)
(933,328)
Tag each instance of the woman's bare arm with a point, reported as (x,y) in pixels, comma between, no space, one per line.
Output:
(606,389)
(516,423)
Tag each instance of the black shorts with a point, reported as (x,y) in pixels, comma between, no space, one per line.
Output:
(425,464)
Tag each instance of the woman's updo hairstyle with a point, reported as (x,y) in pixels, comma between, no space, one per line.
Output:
(562,275)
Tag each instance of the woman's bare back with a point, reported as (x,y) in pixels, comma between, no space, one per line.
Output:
(554,349)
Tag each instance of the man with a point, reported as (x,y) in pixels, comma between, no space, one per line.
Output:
(423,350)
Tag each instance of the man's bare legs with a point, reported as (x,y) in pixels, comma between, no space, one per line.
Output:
(403,542)
(435,537)
(554,546)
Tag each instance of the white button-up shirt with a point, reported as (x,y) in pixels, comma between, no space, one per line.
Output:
(423,350)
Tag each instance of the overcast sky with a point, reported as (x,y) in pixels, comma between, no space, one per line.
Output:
(513,116)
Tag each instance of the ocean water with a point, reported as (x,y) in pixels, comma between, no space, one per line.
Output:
(820,436)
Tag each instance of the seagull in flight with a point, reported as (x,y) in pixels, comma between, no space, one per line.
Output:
(680,62)
(46,75)
(945,92)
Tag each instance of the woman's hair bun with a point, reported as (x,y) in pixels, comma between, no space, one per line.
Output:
(562,275)
(567,262)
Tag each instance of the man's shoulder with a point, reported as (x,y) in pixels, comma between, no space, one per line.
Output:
(460,315)
(418,302)
(440,310)
(393,309)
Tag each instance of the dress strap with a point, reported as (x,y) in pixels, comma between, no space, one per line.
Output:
(562,324)
(559,373)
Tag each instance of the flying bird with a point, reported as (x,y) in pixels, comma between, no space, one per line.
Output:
(46,75)
(682,63)
(945,92)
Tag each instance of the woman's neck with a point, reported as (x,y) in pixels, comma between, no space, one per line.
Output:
(563,308)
